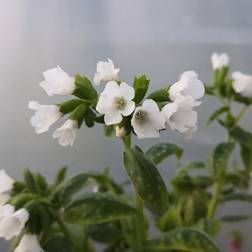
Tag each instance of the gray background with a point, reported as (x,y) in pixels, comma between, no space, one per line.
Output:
(159,38)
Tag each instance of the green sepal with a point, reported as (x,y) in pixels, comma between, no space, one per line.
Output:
(161,95)
(70,105)
(84,89)
(141,85)
(30,181)
(78,114)
(217,113)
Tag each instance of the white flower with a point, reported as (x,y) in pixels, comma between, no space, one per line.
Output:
(66,133)
(189,86)
(6,182)
(242,83)
(5,211)
(12,223)
(181,118)
(148,120)
(4,198)
(219,60)
(57,82)
(105,72)
(115,101)
(44,117)
(29,243)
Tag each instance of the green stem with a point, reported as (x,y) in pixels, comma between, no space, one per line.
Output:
(241,114)
(215,200)
(127,142)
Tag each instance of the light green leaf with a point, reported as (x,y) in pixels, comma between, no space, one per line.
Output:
(160,95)
(182,239)
(246,197)
(235,218)
(146,179)
(158,152)
(70,105)
(99,208)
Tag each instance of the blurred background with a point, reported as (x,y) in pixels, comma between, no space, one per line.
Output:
(159,38)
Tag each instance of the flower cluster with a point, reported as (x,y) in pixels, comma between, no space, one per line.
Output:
(12,222)
(119,104)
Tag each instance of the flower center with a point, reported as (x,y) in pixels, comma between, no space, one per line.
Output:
(141,116)
(120,103)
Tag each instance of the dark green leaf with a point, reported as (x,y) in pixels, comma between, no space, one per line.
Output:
(160,95)
(147,181)
(69,106)
(41,184)
(61,175)
(220,159)
(58,243)
(182,239)
(189,167)
(99,208)
(158,152)
(141,85)
(238,180)
(217,113)
(246,197)
(244,138)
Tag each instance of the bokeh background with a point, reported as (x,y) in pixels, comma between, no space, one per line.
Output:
(159,38)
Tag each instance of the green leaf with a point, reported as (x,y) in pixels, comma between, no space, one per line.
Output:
(220,159)
(84,89)
(41,184)
(73,185)
(23,198)
(146,179)
(61,175)
(182,239)
(217,113)
(189,167)
(170,220)
(235,218)
(160,95)
(30,181)
(141,85)
(244,138)
(158,152)
(238,180)
(79,113)
(69,106)
(90,117)
(58,243)
(99,208)
(245,197)
(211,227)
(105,232)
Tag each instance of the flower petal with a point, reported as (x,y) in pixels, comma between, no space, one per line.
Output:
(112,118)
(127,91)
(129,108)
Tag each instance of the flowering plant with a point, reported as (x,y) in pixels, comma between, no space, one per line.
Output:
(65,216)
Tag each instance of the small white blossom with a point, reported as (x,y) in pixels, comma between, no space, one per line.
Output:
(29,243)
(116,101)
(181,118)
(44,117)
(148,120)
(13,223)
(242,83)
(4,198)
(66,134)
(189,86)
(57,82)
(219,60)
(5,211)
(6,182)
(105,72)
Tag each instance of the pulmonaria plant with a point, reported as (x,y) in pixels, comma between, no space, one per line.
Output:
(65,215)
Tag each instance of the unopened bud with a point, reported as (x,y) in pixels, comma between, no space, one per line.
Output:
(120,132)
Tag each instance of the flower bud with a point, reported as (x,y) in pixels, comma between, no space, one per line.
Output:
(120,132)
